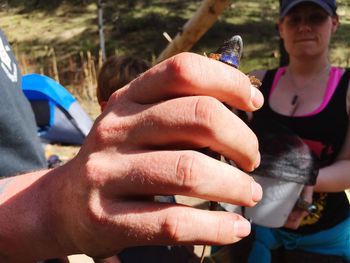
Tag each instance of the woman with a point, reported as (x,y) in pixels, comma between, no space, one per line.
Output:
(311,97)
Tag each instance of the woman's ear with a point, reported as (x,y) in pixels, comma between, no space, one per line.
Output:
(335,23)
(280,28)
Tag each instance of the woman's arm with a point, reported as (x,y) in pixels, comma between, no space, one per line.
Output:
(336,177)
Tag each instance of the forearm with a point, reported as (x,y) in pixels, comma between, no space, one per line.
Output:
(334,178)
(27,218)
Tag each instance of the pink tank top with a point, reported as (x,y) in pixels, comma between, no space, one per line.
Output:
(334,78)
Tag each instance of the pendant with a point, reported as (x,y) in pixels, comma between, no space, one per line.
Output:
(294,100)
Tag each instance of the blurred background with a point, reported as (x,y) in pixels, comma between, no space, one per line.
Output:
(60,38)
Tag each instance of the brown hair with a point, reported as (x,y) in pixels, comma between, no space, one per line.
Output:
(116,72)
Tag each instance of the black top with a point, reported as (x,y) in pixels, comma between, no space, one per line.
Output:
(20,148)
(327,129)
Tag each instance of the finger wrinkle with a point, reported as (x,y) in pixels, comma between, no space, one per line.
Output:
(184,171)
(170,226)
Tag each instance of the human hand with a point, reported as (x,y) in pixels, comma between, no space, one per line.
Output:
(144,144)
(297,215)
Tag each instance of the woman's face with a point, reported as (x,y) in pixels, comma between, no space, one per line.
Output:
(306,30)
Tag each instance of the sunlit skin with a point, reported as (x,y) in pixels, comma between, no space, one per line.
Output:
(141,146)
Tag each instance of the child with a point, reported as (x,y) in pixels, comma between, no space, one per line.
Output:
(116,72)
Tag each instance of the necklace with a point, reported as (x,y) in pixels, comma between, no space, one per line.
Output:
(298,89)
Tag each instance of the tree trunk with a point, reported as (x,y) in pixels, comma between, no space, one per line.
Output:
(284,58)
(194,29)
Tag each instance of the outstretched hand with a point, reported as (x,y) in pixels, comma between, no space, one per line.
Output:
(144,144)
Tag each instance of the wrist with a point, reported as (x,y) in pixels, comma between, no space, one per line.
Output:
(27,232)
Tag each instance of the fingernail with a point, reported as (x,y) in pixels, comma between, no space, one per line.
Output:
(257,191)
(256,97)
(241,228)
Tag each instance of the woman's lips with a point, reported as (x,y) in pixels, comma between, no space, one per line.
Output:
(305,40)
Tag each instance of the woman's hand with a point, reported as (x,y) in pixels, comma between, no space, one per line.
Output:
(297,215)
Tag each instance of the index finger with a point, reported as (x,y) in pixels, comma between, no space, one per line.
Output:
(189,74)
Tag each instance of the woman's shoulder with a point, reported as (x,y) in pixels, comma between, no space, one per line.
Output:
(347,72)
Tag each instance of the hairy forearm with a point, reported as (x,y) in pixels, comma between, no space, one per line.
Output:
(334,178)
(25,217)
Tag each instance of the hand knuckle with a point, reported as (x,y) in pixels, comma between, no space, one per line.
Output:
(95,212)
(95,176)
(205,111)
(101,132)
(185,175)
(170,227)
(181,68)
(110,129)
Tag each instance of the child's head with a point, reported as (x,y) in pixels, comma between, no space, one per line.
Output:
(116,72)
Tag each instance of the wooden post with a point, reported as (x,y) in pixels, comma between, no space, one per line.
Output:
(100,29)
(194,29)
(54,65)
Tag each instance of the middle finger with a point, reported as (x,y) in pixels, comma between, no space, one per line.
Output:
(194,122)
(187,173)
